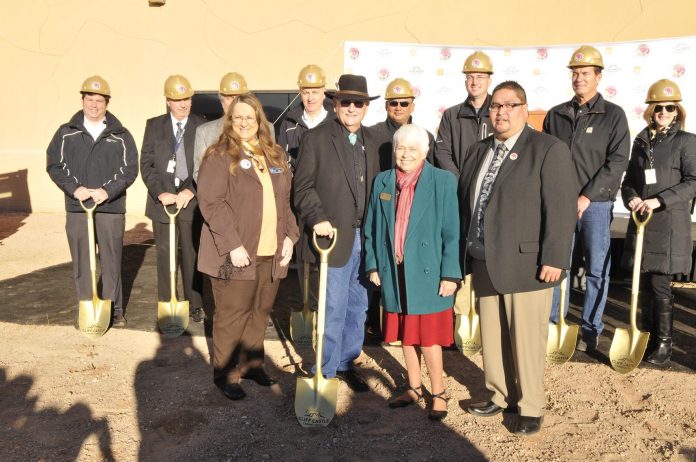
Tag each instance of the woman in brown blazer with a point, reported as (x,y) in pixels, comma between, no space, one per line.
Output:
(247,240)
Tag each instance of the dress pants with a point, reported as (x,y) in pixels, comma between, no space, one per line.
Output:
(239,322)
(108,233)
(187,232)
(514,332)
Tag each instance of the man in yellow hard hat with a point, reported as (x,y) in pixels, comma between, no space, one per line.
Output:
(399,103)
(166,164)
(466,123)
(597,133)
(93,159)
(232,85)
(310,113)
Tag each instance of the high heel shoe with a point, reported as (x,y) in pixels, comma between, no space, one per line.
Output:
(401,402)
(439,415)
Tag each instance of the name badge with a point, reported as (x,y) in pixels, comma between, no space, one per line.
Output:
(650,176)
(275,170)
(385,196)
(170,166)
(589,130)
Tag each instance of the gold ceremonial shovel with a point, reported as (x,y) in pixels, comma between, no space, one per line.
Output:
(467,332)
(628,347)
(172,316)
(315,398)
(562,337)
(95,314)
(302,322)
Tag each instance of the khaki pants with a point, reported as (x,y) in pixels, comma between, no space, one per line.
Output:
(514,332)
(239,323)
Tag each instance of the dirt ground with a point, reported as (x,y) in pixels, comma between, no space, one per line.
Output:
(132,395)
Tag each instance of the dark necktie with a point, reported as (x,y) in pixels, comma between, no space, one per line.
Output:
(181,167)
(487,185)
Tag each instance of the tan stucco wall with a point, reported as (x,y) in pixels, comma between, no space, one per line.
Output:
(48,47)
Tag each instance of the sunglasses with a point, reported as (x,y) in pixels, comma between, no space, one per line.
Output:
(399,103)
(357,103)
(668,107)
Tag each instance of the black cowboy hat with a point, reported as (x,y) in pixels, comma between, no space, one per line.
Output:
(351,87)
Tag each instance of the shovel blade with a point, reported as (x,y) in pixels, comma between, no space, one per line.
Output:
(467,334)
(561,343)
(627,350)
(94,317)
(172,317)
(315,401)
(302,327)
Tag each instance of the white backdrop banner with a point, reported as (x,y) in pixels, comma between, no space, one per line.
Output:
(436,73)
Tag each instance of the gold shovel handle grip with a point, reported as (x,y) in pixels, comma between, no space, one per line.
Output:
(88,209)
(324,253)
(171,215)
(638,221)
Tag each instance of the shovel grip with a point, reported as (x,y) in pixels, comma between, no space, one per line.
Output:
(324,253)
(170,215)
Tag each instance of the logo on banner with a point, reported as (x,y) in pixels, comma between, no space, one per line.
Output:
(611,91)
(542,53)
(643,49)
(353,53)
(445,54)
(612,68)
(678,70)
(638,112)
(383,74)
(384,53)
(416,70)
(681,47)
(416,92)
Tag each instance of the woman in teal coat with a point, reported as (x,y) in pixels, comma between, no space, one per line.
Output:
(412,253)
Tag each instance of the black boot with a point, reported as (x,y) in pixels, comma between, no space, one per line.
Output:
(663,342)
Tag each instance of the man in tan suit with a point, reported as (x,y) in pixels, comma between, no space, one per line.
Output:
(518,212)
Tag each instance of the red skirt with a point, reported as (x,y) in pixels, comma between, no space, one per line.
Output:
(419,329)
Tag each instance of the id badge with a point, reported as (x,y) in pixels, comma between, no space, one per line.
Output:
(650,176)
(170,166)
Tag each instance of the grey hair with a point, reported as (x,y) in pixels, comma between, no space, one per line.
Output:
(414,133)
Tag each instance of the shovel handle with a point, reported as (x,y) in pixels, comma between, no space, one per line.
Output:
(324,253)
(637,257)
(638,221)
(88,209)
(171,215)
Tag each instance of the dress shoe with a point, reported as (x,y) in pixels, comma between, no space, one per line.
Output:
(527,426)
(353,380)
(587,344)
(259,376)
(489,409)
(197,315)
(119,322)
(405,399)
(233,391)
(439,415)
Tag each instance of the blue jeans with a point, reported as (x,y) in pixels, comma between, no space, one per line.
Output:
(593,230)
(346,308)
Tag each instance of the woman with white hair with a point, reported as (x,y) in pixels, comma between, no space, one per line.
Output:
(412,253)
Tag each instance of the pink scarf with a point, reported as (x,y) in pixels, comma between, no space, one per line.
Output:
(406,186)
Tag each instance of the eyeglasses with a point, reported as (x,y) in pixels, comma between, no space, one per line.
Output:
(247,120)
(495,107)
(668,108)
(393,103)
(357,103)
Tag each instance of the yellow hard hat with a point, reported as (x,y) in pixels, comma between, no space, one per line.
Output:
(663,90)
(233,83)
(586,55)
(311,76)
(177,87)
(478,61)
(96,84)
(399,88)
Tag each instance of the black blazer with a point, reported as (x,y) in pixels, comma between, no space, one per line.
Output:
(531,213)
(323,189)
(157,150)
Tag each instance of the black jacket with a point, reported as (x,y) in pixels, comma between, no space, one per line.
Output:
(599,145)
(668,245)
(323,189)
(157,151)
(75,159)
(384,134)
(460,127)
(293,128)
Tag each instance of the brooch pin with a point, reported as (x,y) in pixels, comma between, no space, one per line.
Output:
(245,164)
(513,156)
